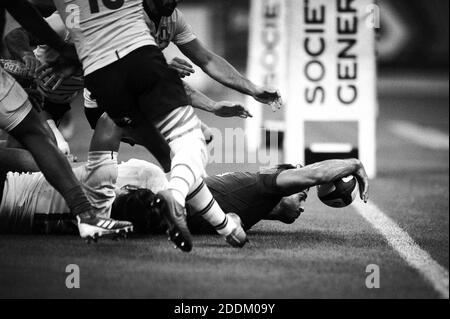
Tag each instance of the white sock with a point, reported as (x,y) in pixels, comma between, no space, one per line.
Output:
(181,181)
(203,202)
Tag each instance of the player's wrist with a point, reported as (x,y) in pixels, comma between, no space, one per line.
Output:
(255,91)
(214,106)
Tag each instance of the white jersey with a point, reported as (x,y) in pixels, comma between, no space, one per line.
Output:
(104,31)
(27,194)
(142,174)
(173,29)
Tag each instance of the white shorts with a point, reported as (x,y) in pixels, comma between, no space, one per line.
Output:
(14,103)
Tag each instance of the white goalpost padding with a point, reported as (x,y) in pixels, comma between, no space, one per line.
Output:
(321,54)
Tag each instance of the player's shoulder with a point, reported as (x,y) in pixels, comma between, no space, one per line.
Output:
(230,179)
(267,178)
(177,17)
(141,174)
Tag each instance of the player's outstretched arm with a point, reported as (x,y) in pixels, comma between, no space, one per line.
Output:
(223,108)
(222,71)
(296,180)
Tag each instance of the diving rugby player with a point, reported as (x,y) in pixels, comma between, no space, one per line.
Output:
(271,194)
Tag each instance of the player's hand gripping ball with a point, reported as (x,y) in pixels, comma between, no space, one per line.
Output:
(339,194)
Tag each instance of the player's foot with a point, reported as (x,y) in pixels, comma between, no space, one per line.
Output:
(238,237)
(92,227)
(175,216)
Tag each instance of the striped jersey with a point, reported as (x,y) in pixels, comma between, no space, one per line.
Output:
(104,31)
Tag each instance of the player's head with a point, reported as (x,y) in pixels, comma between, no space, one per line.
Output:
(165,8)
(137,206)
(290,208)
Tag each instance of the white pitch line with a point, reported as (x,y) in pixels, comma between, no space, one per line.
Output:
(423,136)
(408,249)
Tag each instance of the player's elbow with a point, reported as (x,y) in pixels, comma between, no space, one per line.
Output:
(206,62)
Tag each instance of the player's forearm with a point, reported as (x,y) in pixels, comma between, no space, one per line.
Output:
(199,100)
(31,20)
(297,180)
(18,43)
(223,72)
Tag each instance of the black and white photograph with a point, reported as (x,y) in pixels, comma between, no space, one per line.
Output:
(223,157)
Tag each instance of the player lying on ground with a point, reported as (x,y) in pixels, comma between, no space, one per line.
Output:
(26,199)
(19,119)
(272,194)
(30,204)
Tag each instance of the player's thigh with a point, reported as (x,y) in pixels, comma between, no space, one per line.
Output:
(32,127)
(158,87)
(56,111)
(109,88)
(14,103)
(190,149)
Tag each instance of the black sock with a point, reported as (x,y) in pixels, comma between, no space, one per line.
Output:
(77,201)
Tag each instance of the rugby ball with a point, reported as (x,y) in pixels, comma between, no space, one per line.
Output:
(339,194)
